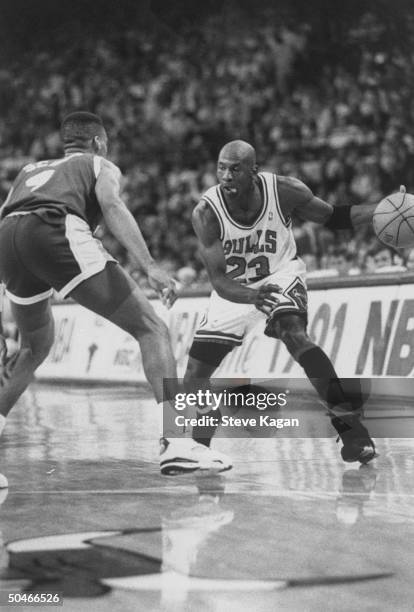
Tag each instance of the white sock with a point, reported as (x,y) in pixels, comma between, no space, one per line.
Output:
(2,423)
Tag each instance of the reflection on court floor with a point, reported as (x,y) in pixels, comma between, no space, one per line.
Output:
(290,527)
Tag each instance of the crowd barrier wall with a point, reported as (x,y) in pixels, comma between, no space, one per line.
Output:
(365,325)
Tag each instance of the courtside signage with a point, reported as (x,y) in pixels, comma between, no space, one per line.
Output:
(366,331)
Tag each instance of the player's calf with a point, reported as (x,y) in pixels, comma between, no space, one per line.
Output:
(197,377)
(18,370)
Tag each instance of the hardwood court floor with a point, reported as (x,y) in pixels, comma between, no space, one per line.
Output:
(291,527)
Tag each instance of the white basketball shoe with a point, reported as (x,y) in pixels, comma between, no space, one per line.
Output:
(184,455)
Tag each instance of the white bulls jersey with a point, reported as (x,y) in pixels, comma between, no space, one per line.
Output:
(258,250)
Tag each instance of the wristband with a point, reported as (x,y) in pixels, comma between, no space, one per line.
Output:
(340,218)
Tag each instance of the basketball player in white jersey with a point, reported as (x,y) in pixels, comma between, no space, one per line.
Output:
(246,241)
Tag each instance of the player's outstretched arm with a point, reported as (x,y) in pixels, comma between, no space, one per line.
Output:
(125,229)
(206,227)
(296,196)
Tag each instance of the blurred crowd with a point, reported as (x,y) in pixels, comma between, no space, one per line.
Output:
(338,116)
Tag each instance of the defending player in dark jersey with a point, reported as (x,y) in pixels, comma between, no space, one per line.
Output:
(64,185)
(246,242)
(46,244)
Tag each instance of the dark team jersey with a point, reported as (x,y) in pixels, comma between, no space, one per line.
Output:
(66,185)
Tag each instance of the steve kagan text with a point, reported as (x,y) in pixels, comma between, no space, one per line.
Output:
(262,420)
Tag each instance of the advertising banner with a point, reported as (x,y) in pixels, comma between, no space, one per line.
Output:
(366,332)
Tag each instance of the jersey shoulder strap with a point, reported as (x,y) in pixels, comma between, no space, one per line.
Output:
(212,198)
(271,183)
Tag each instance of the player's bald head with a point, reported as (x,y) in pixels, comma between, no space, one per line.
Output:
(239,150)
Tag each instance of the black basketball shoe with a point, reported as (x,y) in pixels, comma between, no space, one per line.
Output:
(357,443)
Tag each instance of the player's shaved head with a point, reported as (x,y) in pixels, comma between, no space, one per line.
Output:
(79,128)
(240,150)
(237,169)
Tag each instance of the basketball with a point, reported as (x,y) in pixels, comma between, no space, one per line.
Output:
(393,220)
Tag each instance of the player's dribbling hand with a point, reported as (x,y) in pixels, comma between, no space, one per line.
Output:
(266,299)
(161,282)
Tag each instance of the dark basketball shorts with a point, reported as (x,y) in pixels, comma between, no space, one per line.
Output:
(42,253)
(227,322)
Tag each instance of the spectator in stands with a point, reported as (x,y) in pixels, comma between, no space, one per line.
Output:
(344,123)
(385,260)
(409,264)
(342,260)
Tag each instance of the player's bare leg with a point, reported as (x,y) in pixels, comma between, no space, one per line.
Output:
(197,376)
(113,295)
(344,407)
(36,330)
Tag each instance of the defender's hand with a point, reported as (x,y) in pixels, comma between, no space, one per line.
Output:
(169,295)
(266,298)
(6,362)
(3,350)
(162,284)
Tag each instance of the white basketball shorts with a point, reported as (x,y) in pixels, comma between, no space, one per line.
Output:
(227,322)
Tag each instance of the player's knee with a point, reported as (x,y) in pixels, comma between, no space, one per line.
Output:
(272,329)
(33,354)
(191,374)
(294,339)
(42,348)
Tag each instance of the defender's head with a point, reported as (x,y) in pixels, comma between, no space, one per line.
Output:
(85,131)
(236,168)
